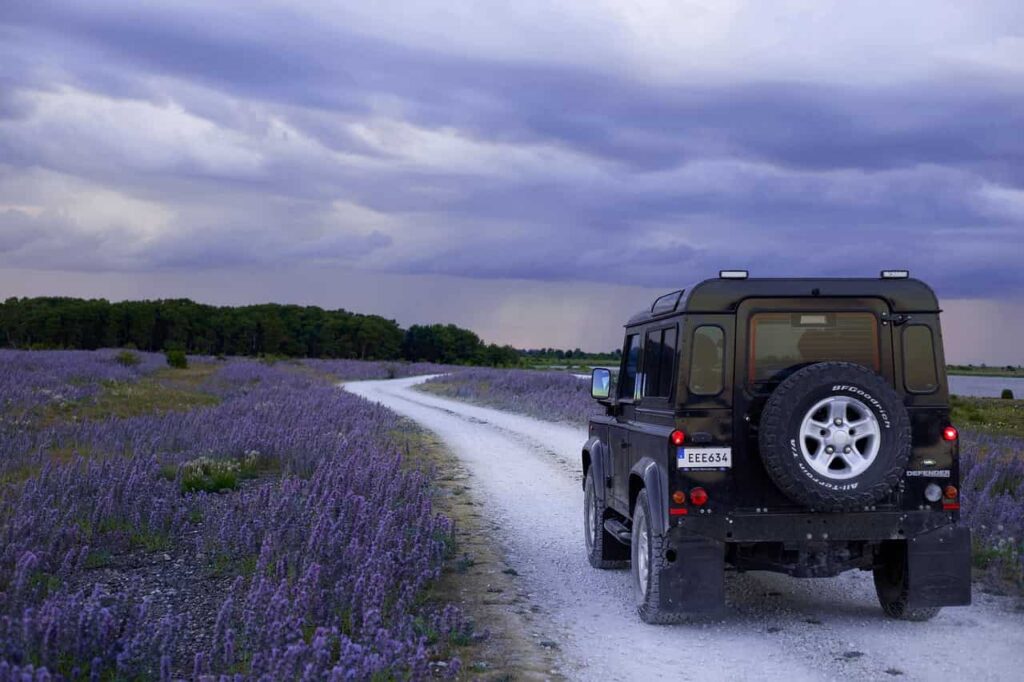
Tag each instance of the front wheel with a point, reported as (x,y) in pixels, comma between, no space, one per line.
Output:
(892,588)
(648,562)
(603,550)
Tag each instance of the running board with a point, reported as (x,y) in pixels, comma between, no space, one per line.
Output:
(619,531)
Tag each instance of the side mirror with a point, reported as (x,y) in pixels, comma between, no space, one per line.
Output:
(600,383)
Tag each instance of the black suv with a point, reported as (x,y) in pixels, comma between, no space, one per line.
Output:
(790,425)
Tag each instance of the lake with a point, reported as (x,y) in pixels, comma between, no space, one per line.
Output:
(985,387)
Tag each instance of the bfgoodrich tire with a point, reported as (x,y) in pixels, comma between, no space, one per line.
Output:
(648,554)
(834,436)
(892,587)
(603,550)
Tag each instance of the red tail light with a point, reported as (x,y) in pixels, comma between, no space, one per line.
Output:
(678,437)
(699,496)
(950,433)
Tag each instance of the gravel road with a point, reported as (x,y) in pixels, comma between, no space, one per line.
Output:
(526,475)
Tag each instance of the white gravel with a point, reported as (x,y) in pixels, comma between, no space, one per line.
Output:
(526,475)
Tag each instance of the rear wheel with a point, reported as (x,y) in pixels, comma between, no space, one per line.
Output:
(603,550)
(892,587)
(648,562)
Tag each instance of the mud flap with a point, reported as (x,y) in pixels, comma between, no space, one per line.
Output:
(695,581)
(939,568)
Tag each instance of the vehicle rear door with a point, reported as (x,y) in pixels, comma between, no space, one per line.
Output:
(776,337)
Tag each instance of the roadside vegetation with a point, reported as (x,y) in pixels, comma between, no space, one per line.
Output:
(555,396)
(235,517)
(992,452)
(986,370)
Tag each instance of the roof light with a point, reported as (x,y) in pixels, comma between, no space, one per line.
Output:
(895,274)
(733,274)
(678,437)
(949,433)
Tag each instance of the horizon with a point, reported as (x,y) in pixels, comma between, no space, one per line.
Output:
(518,174)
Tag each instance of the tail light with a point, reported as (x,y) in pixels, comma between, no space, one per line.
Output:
(949,498)
(679,497)
(678,437)
(699,497)
(950,433)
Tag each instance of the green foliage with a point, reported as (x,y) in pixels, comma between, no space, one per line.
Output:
(1007,394)
(448,344)
(127,358)
(989,415)
(213,475)
(177,359)
(209,475)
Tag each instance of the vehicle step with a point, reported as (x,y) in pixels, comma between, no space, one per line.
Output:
(619,530)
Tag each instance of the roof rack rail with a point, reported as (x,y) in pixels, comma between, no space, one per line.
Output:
(667,303)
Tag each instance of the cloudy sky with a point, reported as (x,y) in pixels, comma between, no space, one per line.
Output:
(534,170)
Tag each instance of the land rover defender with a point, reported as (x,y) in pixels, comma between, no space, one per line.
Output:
(793,425)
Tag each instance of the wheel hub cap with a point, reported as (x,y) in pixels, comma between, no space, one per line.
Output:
(840,437)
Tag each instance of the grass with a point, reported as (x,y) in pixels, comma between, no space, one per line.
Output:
(995,416)
(167,390)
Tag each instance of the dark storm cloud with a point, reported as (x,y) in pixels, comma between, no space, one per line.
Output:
(482,166)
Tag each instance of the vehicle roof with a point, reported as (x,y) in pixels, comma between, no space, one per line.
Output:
(720,295)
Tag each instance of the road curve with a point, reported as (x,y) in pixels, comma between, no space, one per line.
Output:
(526,474)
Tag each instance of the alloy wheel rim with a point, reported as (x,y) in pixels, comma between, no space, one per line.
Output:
(642,560)
(588,517)
(840,437)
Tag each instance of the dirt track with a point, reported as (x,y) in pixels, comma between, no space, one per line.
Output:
(526,474)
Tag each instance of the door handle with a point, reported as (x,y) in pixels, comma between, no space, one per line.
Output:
(624,444)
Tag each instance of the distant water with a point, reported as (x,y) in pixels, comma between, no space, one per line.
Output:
(985,387)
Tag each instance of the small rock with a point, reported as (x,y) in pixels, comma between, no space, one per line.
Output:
(893,671)
(813,621)
(773,629)
(549,644)
(851,655)
(510,571)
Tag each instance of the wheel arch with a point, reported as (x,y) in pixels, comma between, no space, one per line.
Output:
(647,475)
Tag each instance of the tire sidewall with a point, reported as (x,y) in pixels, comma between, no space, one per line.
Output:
(590,509)
(641,518)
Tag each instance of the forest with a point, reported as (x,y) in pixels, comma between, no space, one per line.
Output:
(253,330)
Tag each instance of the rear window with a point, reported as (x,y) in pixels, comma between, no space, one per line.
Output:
(783,342)
(707,361)
(919,373)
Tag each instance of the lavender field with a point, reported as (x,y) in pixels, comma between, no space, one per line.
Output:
(992,465)
(555,396)
(233,520)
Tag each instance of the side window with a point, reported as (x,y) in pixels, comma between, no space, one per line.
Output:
(707,360)
(631,359)
(919,372)
(659,358)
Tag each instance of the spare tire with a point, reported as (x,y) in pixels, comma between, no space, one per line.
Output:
(835,436)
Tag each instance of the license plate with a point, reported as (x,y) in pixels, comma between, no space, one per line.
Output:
(704,458)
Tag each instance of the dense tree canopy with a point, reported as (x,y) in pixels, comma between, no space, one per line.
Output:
(268,329)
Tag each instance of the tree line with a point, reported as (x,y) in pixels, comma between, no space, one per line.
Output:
(267,329)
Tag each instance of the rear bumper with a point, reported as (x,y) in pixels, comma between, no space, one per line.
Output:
(801,528)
